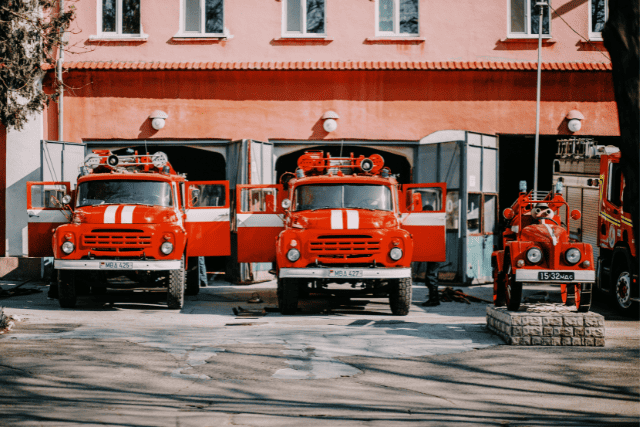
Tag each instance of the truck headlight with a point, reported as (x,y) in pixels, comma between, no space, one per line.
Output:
(67,247)
(166,248)
(573,256)
(293,255)
(534,255)
(395,254)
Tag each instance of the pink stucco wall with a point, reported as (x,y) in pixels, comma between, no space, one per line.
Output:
(460,30)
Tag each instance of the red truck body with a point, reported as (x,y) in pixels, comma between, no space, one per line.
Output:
(341,225)
(538,250)
(130,215)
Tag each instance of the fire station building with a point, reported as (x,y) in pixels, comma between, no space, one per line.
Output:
(240,90)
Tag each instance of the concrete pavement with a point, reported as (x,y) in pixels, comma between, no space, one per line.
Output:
(137,363)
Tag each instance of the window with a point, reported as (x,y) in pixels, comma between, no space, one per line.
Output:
(304,18)
(598,15)
(119,18)
(202,17)
(343,196)
(523,19)
(397,18)
(614,190)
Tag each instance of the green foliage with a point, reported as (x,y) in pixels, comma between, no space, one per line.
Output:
(30,36)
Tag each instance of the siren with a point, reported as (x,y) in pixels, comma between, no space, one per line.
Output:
(366,165)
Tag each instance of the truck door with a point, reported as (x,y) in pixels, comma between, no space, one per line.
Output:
(259,221)
(423,215)
(207,218)
(46,213)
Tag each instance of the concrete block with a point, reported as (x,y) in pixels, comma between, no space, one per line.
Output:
(525,340)
(578,331)
(599,342)
(566,341)
(576,341)
(532,321)
(532,330)
(552,321)
(546,340)
(536,341)
(516,320)
(516,331)
(594,332)
(556,341)
(590,341)
(561,331)
(516,340)
(593,320)
(572,320)
(547,331)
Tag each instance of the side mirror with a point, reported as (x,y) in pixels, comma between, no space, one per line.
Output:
(575,215)
(508,213)
(286,204)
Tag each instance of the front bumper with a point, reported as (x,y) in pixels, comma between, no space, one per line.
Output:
(345,273)
(120,265)
(531,276)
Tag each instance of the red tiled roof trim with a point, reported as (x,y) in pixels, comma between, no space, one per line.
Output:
(359,65)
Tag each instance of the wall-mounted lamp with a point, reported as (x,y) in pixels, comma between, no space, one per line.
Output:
(158,118)
(330,124)
(575,118)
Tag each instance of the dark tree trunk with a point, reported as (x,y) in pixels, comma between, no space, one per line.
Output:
(621,38)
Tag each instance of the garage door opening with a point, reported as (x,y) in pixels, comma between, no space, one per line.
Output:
(517,163)
(399,165)
(199,165)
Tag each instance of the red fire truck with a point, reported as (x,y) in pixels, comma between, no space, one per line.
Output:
(130,215)
(593,182)
(341,225)
(536,249)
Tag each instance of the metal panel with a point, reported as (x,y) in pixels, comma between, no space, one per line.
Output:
(450,164)
(474,168)
(427,165)
(574,198)
(489,170)
(589,209)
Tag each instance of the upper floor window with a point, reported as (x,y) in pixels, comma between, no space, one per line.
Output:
(397,17)
(598,15)
(524,18)
(203,17)
(304,18)
(119,17)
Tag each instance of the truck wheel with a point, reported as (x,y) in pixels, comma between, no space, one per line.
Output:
(621,287)
(583,297)
(512,290)
(400,296)
(288,296)
(175,287)
(67,288)
(499,298)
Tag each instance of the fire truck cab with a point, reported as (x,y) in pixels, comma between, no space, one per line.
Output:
(341,226)
(130,215)
(536,249)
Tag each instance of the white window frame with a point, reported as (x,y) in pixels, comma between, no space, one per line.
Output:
(527,35)
(303,34)
(396,22)
(182,33)
(594,35)
(118,33)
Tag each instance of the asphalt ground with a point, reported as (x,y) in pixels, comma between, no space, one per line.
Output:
(125,359)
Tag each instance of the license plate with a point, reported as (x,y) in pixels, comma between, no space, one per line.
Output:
(555,275)
(345,273)
(116,265)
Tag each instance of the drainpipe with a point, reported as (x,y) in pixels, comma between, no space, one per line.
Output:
(540,5)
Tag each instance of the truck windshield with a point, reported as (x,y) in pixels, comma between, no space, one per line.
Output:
(154,193)
(352,196)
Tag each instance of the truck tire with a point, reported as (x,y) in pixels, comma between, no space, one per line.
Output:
(512,290)
(175,287)
(288,293)
(621,283)
(583,297)
(400,296)
(67,288)
(499,298)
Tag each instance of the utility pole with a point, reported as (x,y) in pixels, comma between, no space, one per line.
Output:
(540,4)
